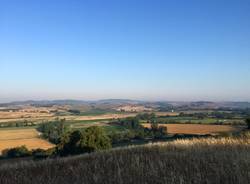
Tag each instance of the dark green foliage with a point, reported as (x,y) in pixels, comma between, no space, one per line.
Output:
(158,131)
(42,154)
(95,139)
(137,131)
(130,123)
(17,152)
(24,123)
(53,131)
(74,111)
(248,123)
(89,140)
(71,144)
(146,116)
(119,137)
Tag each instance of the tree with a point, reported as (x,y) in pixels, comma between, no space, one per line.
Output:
(163,131)
(53,131)
(89,140)
(130,122)
(154,126)
(95,139)
(248,123)
(71,144)
(158,131)
(146,116)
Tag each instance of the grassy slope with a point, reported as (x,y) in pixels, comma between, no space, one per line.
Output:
(225,160)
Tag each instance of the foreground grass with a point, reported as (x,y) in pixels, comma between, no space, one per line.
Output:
(222,160)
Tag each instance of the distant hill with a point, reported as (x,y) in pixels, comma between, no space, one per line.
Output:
(116,102)
(45,102)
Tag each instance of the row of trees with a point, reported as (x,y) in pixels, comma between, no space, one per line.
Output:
(23,123)
(22,151)
(136,131)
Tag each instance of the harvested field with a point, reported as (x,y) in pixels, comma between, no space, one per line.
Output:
(115,116)
(10,138)
(20,114)
(197,128)
(6,117)
(51,118)
(105,116)
(167,113)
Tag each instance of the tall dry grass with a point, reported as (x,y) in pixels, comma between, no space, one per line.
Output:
(195,161)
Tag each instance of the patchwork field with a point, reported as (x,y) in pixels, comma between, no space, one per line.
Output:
(38,116)
(77,118)
(10,138)
(197,128)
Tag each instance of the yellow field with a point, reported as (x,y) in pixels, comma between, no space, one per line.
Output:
(196,128)
(18,137)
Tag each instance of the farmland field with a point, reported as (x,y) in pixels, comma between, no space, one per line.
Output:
(197,128)
(69,117)
(18,127)
(29,137)
(193,120)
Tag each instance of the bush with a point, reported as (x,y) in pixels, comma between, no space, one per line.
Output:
(41,154)
(89,140)
(16,152)
(146,116)
(158,131)
(130,122)
(118,137)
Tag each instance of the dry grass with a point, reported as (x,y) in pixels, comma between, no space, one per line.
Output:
(197,161)
(197,128)
(10,138)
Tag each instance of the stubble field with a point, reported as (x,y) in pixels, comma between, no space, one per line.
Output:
(29,137)
(197,128)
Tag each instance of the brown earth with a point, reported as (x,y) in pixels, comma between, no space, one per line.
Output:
(197,128)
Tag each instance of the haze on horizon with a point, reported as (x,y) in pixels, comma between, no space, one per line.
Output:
(134,49)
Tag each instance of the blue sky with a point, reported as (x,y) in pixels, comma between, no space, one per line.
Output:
(138,49)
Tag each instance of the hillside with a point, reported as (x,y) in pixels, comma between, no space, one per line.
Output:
(211,160)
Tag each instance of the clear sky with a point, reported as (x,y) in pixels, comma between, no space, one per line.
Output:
(138,49)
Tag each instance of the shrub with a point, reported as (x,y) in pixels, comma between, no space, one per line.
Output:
(89,140)
(41,154)
(16,152)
